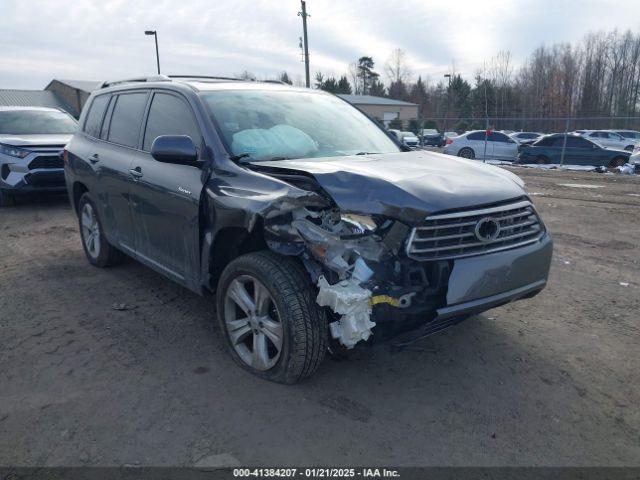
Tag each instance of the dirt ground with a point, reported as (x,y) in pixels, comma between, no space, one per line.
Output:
(553,380)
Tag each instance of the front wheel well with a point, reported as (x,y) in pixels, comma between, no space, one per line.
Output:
(79,189)
(230,243)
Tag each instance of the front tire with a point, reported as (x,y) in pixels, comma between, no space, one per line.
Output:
(268,313)
(617,162)
(467,152)
(98,250)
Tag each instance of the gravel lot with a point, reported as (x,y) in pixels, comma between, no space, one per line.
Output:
(549,381)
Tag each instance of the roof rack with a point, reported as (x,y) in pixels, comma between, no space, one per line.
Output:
(153,78)
(206,77)
(168,78)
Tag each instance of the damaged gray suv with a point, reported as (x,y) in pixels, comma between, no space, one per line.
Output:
(316,230)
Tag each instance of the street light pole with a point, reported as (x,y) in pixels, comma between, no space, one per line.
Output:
(155,35)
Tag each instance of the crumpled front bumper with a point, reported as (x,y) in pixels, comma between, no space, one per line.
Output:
(480,283)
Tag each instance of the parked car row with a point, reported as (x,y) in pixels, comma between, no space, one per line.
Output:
(584,147)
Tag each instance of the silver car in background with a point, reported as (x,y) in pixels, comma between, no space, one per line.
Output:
(473,145)
(609,139)
(31,143)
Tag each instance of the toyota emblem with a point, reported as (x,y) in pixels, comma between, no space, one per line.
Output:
(487,229)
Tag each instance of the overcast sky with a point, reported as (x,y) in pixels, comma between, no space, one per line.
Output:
(104,39)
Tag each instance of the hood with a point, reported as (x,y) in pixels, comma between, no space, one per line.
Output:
(407,186)
(35,140)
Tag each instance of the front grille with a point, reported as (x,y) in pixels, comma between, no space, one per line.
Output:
(49,161)
(453,235)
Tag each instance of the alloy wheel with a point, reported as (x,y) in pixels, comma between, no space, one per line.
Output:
(90,230)
(253,324)
(467,153)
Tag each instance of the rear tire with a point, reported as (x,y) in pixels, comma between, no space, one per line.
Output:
(274,289)
(6,200)
(617,162)
(97,248)
(467,152)
(543,160)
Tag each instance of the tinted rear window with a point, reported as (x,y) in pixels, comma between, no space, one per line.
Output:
(96,114)
(126,118)
(34,122)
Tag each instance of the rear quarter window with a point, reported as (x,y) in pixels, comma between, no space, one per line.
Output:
(476,136)
(93,123)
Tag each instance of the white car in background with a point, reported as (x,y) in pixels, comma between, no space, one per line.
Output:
(629,134)
(409,139)
(472,145)
(609,139)
(450,134)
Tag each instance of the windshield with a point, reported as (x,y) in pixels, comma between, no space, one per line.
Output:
(276,125)
(33,122)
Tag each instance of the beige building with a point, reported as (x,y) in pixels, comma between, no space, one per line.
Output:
(383,109)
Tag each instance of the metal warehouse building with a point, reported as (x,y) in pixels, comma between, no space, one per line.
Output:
(68,95)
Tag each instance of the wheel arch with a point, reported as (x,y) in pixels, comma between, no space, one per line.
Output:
(227,244)
(78,190)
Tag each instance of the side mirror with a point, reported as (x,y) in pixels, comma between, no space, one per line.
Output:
(178,149)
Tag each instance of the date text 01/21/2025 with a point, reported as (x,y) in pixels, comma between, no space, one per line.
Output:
(316,472)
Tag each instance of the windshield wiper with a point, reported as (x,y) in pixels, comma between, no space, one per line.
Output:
(366,153)
(238,158)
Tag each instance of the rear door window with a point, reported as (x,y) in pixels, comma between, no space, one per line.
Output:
(96,113)
(170,115)
(124,128)
(498,137)
(577,142)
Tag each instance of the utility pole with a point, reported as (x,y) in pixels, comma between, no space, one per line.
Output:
(446,117)
(304,16)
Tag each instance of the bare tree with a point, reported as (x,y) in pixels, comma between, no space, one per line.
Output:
(396,69)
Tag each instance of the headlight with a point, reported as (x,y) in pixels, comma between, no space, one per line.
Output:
(364,223)
(13,151)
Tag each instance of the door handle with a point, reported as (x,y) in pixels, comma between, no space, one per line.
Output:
(94,158)
(136,172)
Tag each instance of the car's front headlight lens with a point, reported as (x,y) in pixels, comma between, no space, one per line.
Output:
(13,151)
(364,223)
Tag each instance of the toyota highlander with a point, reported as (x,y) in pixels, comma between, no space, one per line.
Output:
(315,229)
